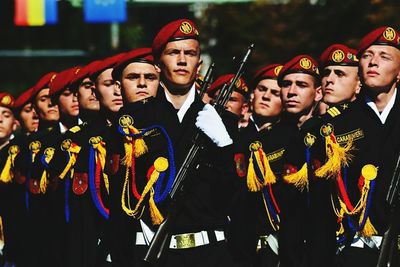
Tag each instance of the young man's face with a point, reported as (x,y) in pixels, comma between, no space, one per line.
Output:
(7,124)
(235,102)
(44,107)
(29,118)
(68,103)
(380,67)
(108,91)
(266,100)
(139,80)
(179,62)
(340,84)
(299,93)
(86,95)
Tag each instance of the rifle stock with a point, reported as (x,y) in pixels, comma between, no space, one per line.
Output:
(162,234)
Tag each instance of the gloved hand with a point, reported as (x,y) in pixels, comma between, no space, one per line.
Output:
(209,122)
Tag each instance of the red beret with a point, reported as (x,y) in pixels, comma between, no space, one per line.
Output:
(173,31)
(62,80)
(339,54)
(137,55)
(240,85)
(381,36)
(24,98)
(268,72)
(6,100)
(300,64)
(104,64)
(83,72)
(44,82)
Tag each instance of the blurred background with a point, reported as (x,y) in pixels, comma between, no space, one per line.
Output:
(280,29)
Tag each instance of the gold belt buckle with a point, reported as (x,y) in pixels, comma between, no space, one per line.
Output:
(185,241)
(264,241)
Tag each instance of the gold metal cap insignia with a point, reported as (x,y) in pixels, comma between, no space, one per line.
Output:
(305,63)
(338,56)
(389,34)
(6,100)
(186,28)
(277,70)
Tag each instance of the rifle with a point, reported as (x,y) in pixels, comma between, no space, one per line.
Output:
(389,238)
(162,234)
(206,81)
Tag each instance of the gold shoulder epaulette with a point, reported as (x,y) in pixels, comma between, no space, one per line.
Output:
(333,112)
(75,129)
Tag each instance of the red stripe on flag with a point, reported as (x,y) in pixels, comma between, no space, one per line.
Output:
(21,13)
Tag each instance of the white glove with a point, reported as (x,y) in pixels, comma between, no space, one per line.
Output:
(209,122)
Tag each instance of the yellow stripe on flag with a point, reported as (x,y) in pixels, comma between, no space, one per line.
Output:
(36,12)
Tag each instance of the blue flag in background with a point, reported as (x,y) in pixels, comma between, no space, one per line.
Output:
(104,11)
(51,11)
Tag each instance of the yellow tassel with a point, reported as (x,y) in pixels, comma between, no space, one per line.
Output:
(341,229)
(253,184)
(106,183)
(298,179)
(102,153)
(128,147)
(140,145)
(368,230)
(6,174)
(43,182)
(337,157)
(155,214)
(73,154)
(269,176)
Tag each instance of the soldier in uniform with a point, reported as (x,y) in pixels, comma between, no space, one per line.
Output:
(88,103)
(138,78)
(8,124)
(25,112)
(339,74)
(82,231)
(89,245)
(197,236)
(239,96)
(108,92)
(261,147)
(50,209)
(29,122)
(371,126)
(35,202)
(137,75)
(7,119)
(303,238)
